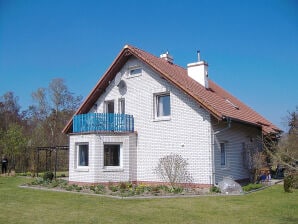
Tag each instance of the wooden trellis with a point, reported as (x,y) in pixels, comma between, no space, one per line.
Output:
(49,150)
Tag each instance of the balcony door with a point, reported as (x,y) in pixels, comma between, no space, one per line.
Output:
(109,105)
(109,110)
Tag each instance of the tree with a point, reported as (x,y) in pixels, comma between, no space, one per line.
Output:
(14,143)
(255,160)
(173,169)
(9,110)
(53,108)
(285,152)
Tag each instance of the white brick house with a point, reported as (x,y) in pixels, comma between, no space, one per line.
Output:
(145,107)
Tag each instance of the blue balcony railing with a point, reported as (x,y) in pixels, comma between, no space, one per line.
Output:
(92,122)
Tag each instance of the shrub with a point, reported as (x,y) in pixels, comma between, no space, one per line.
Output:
(251,187)
(99,189)
(295,181)
(215,189)
(48,176)
(176,190)
(37,181)
(288,183)
(113,188)
(173,169)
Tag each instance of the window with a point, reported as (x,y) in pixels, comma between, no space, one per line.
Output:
(222,154)
(162,105)
(109,107)
(83,154)
(121,106)
(112,155)
(135,71)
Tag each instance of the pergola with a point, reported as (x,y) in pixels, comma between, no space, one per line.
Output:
(49,150)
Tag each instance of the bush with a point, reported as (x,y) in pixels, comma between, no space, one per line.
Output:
(289,183)
(215,189)
(173,169)
(37,181)
(295,181)
(99,189)
(48,176)
(251,187)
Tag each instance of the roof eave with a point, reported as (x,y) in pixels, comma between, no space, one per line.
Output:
(100,86)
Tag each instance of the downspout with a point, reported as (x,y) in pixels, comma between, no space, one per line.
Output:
(229,120)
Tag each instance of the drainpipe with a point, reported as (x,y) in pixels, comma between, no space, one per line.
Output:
(229,120)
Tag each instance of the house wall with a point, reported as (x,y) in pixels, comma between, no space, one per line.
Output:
(235,138)
(187,132)
(96,172)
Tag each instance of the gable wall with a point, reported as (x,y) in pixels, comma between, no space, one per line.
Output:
(187,133)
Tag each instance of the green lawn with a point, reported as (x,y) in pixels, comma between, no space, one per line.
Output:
(20,205)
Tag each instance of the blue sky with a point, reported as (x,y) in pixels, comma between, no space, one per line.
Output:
(251,46)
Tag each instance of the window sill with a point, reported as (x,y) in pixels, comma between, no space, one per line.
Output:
(113,169)
(82,169)
(133,76)
(162,119)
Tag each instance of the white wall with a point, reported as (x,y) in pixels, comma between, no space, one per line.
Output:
(234,138)
(188,132)
(96,172)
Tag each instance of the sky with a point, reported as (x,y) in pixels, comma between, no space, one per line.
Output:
(251,46)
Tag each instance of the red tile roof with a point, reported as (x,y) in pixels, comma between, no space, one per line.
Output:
(217,101)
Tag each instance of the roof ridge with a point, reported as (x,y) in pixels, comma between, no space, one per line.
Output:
(139,49)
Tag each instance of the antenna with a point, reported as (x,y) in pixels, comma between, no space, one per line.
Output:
(118,78)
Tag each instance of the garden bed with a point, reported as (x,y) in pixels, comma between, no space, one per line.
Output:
(129,190)
(121,190)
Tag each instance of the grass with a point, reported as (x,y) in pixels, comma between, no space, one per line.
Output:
(22,205)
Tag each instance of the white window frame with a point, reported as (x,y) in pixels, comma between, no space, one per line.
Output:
(156,106)
(120,167)
(223,154)
(134,68)
(77,155)
(121,106)
(106,105)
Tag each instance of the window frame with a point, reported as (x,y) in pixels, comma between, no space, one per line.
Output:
(112,167)
(78,155)
(135,68)
(106,107)
(223,154)
(157,97)
(121,106)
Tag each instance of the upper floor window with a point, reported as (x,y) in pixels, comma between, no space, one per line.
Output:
(162,105)
(135,71)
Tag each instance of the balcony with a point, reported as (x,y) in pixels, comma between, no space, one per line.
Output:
(97,122)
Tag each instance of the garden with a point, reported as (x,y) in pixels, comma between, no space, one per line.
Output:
(27,205)
(127,189)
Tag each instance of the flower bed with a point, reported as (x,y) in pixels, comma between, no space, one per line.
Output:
(124,189)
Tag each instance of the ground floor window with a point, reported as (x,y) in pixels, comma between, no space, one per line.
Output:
(83,154)
(112,155)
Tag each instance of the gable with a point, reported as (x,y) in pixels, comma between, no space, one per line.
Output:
(215,100)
